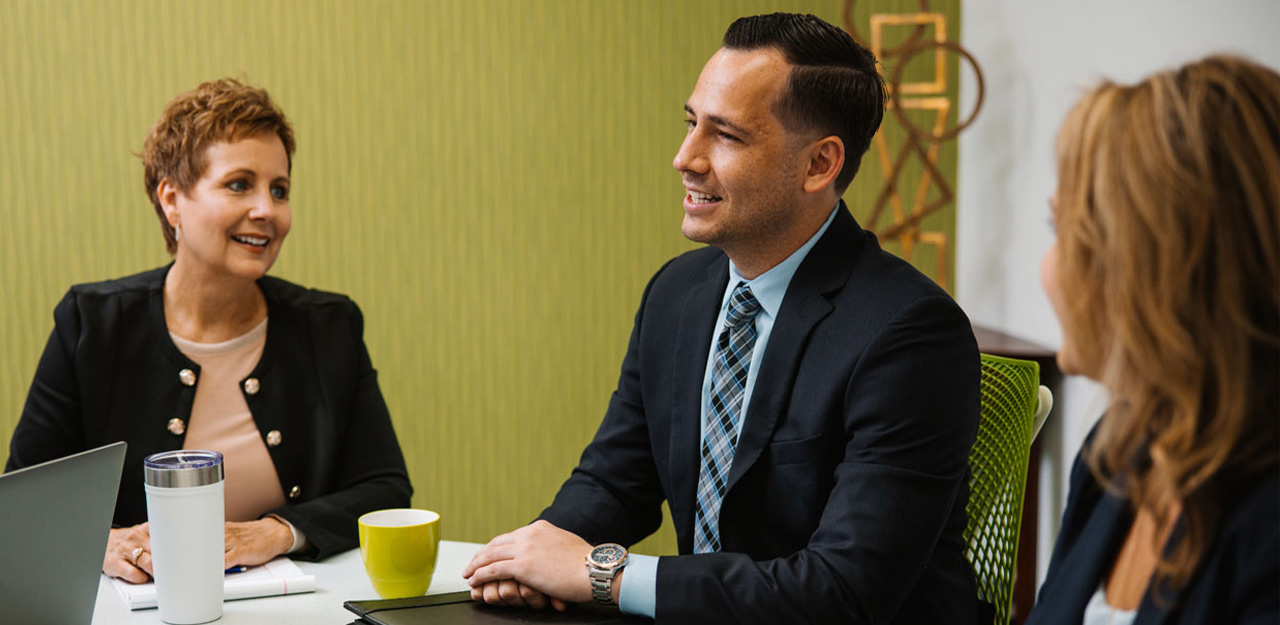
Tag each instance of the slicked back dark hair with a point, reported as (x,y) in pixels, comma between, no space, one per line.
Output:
(834,88)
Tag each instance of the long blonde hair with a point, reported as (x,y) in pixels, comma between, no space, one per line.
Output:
(1168,218)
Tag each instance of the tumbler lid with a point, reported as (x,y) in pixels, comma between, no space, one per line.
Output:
(183,468)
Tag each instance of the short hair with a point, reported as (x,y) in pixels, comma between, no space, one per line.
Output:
(1168,223)
(834,87)
(218,110)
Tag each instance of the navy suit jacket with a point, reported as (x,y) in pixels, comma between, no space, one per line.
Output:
(846,498)
(1237,582)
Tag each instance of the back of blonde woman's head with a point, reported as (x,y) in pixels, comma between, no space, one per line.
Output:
(1168,218)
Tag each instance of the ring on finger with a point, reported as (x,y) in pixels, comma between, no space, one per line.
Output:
(135,554)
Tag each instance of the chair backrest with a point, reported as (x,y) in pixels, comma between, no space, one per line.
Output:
(998,466)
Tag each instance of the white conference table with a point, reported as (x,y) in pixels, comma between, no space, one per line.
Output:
(339,578)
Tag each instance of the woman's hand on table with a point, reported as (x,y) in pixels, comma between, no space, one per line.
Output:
(256,542)
(129,554)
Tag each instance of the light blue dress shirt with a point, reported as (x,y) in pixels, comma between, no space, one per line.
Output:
(639,586)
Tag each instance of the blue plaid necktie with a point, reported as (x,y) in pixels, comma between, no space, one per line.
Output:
(728,385)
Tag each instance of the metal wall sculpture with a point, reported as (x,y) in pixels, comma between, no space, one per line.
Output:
(907,144)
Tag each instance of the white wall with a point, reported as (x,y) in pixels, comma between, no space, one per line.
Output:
(1037,58)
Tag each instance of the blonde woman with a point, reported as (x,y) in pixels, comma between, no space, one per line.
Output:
(1165,279)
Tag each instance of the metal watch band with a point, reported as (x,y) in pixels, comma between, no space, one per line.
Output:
(602,590)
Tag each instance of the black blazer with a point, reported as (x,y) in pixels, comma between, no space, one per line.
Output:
(847,492)
(110,373)
(1237,582)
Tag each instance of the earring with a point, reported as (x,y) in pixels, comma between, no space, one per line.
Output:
(177,233)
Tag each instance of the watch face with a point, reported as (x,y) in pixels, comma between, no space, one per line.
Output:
(608,556)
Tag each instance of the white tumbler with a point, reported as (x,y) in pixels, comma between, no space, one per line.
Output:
(186,512)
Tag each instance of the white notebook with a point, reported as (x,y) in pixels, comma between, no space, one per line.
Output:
(277,577)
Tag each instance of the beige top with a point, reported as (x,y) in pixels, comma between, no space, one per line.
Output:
(220,421)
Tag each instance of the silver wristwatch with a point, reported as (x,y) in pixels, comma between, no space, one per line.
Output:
(604,562)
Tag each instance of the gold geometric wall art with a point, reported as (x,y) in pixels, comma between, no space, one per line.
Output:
(912,187)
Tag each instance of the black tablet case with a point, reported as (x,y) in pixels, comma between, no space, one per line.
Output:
(458,609)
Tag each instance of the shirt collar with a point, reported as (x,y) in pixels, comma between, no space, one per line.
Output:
(771,286)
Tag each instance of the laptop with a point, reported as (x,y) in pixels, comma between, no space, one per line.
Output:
(53,534)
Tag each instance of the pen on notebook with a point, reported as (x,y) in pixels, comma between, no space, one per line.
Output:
(239,568)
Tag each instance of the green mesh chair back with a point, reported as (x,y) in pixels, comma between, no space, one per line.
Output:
(998,466)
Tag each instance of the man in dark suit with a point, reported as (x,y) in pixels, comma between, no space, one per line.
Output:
(803,401)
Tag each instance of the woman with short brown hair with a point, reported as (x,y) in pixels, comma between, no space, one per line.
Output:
(180,357)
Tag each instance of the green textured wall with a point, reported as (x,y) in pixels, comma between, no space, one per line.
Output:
(489,179)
